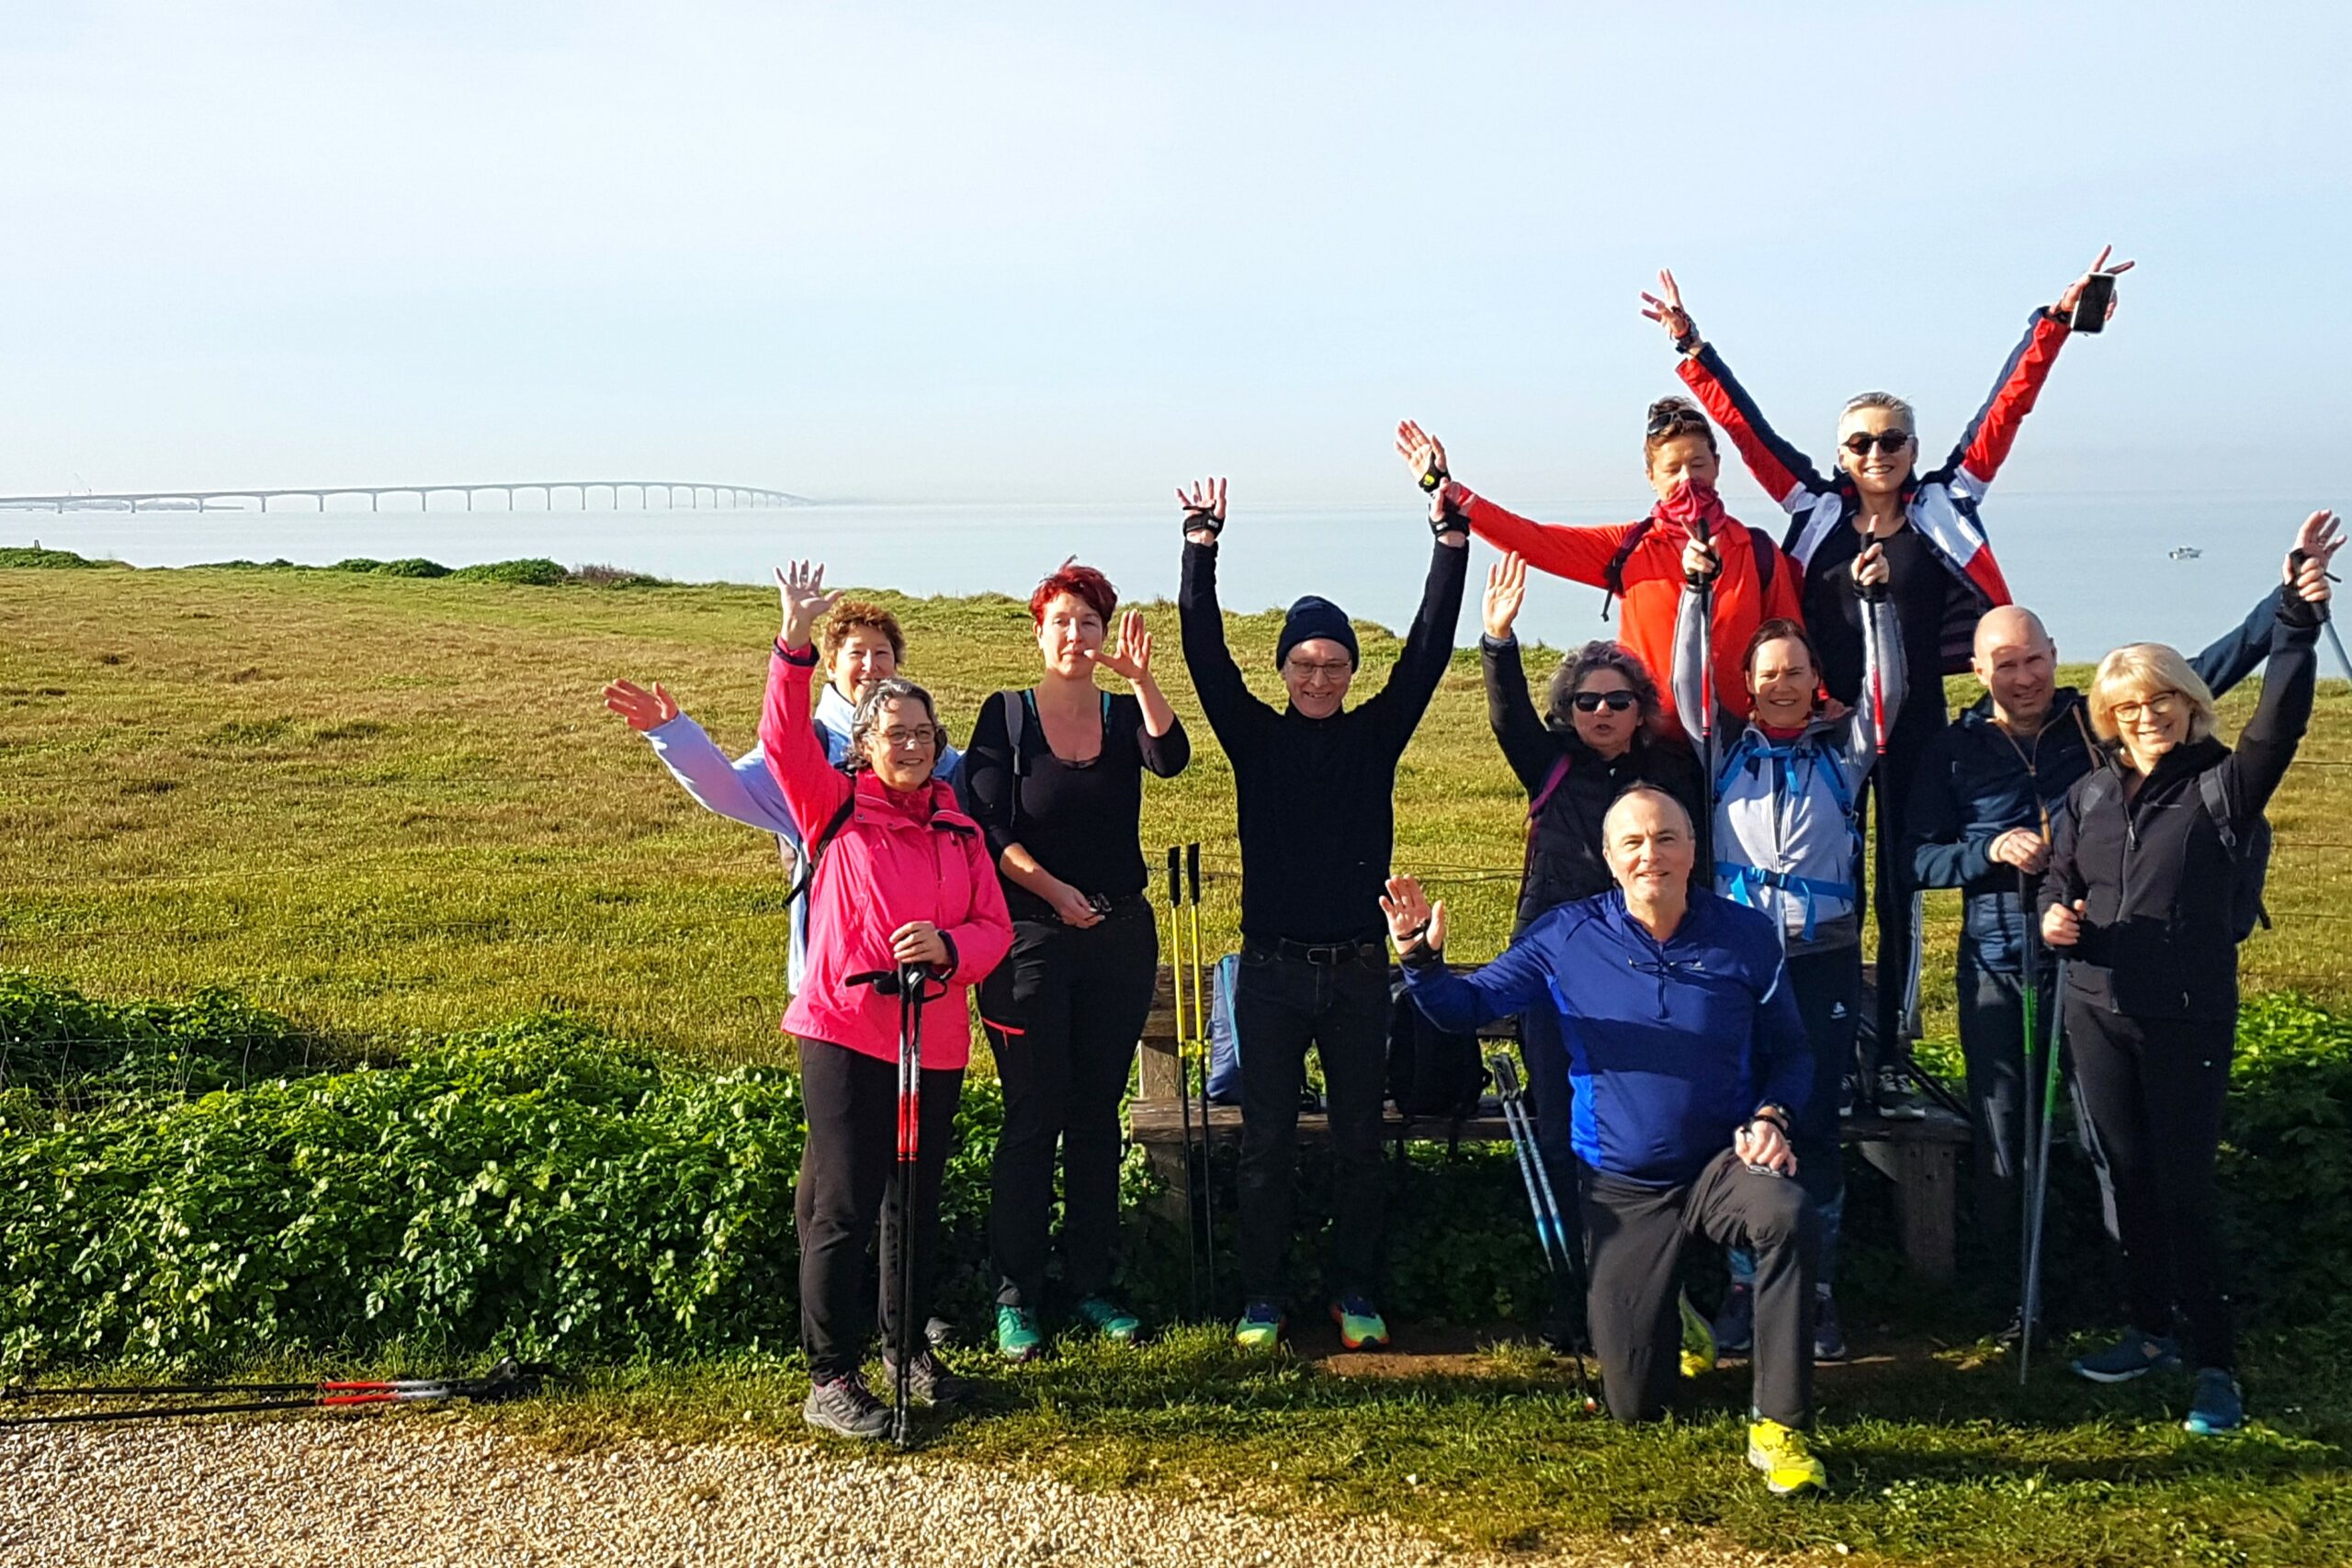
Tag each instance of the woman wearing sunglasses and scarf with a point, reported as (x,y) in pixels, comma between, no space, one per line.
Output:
(1940,573)
(1597,736)
(1786,841)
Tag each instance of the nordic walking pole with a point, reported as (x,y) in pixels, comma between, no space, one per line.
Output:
(507,1379)
(2031,996)
(2041,1170)
(1550,1230)
(1200,1035)
(1706,716)
(1183,1076)
(911,980)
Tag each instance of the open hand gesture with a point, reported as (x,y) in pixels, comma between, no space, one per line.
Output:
(1412,918)
(1665,307)
(1506,592)
(1204,510)
(2316,543)
(801,586)
(2074,290)
(1422,452)
(1131,660)
(644,710)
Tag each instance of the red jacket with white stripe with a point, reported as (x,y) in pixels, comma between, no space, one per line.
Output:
(1941,504)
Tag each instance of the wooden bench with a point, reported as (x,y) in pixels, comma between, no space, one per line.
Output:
(1921,1158)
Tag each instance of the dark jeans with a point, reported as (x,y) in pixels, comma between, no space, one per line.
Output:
(1992,1042)
(1636,1238)
(849,1179)
(1828,987)
(2155,1090)
(1281,1006)
(1064,1012)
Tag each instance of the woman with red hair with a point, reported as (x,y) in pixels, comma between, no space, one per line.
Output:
(1055,777)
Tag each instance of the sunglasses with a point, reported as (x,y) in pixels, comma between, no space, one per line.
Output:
(1593,702)
(1889,442)
(1676,421)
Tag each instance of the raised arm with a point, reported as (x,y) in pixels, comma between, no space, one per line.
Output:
(813,788)
(741,791)
(1428,645)
(1459,1003)
(1160,740)
(2266,745)
(2239,653)
(1787,475)
(1510,713)
(1225,698)
(1883,680)
(1580,554)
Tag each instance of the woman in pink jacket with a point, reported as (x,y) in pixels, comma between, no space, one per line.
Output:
(900,875)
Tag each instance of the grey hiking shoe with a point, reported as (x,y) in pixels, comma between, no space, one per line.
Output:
(846,1407)
(1897,1101)
(929,1381)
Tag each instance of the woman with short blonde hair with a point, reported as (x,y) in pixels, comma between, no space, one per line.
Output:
(2146,671)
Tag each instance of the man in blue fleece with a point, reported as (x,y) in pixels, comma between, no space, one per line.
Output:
(1687,1061)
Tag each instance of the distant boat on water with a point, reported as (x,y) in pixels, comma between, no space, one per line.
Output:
(2183,552)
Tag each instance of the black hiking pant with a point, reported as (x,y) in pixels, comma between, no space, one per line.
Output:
(1281,1005)
(1828,987)
(2154,1089)
(1635,1235)
(1888,799)
(1063,1013)
(849,1181)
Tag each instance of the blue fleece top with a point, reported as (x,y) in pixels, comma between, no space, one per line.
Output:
(1670,1044)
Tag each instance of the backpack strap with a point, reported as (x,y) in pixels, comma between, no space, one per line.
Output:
(1767,556)
(2214,791)
(817,846)
(1612,576)
(1552,781)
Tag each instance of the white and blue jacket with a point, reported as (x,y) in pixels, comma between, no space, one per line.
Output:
(1670,1044)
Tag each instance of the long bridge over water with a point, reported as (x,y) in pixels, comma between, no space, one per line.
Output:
(549,489)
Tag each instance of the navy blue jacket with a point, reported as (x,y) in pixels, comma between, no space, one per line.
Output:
(1670,1045)
(1975,784)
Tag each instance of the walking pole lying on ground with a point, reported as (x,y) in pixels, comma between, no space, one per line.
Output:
(1551,1231)
(911,984)
(1183,1072)
(2041,1171)
(1201,1038)
(507,1379)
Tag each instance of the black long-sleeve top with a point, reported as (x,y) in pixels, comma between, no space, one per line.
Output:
(1317,797)
(1564,858)
(1081,821)
(2155,877)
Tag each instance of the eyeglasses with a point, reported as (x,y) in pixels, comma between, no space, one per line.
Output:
(2160,706)
(1593,702)
(1336,669)
(1888,442)
(899,739)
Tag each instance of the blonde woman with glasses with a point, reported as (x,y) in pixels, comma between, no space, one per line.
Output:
(2139,898)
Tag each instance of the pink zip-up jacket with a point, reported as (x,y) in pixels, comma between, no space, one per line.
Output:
(897,858)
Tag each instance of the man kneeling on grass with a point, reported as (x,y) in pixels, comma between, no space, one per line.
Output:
(1689,1061)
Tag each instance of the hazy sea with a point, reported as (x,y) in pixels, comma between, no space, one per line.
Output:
(2098,567)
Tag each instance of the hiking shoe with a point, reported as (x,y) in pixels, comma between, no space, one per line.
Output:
(2218,1407)
(928,1381)
(1017,1338)
(1897,1099)
(1698,1340)
(1735,1323)
(1360,1326)
(847,1408)
(1260,1327)
(1829,1333)
(1846,1098)
(1785,1458)
(1109,1319)
(2128,1357)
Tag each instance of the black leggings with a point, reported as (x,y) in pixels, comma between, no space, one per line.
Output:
(2154,1089)
(848,1180)
(1063,1012)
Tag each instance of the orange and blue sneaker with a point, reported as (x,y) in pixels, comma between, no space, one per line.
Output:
(1785,1458)
(1360,1326)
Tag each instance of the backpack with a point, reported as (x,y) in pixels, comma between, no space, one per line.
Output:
(2249,856)
(1431,1072)
(1612,576)
(1225,1040)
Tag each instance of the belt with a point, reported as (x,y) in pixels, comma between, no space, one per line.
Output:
(1322,953)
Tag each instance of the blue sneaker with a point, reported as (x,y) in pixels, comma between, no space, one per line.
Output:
(1829,1333)
(2218,1407)
(2135,1355)
(1260,1327)
(1736,1322)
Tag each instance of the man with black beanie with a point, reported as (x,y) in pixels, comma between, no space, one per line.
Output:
(1315,789)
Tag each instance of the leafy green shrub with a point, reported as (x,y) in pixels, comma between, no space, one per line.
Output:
(598,575)
(355,563)
(533,572)
(34,556)
(62,1048)
(2287,1161)
(411,566)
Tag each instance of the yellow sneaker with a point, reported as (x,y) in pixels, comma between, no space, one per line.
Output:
(1785,1458)
(1698,1341)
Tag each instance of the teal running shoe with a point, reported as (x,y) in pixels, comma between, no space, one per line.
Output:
(2218,1408)
(1260,1327)
(2135,1355)
(1360,1326)
(1017,1338)
(1109,1319)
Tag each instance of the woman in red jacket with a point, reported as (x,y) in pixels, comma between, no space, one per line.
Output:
(1641,562)
(899,875)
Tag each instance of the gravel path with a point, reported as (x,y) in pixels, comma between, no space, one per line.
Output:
(391,1491)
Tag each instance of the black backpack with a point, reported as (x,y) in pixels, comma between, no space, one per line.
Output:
(1431,1073)
(2249,855)
(1612,576)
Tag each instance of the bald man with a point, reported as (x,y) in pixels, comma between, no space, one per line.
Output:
(1982,815)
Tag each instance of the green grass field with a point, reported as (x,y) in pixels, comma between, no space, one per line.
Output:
(381,804)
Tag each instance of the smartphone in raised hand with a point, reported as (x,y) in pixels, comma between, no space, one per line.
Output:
(2092,305)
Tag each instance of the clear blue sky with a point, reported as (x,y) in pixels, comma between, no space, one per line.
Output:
(1073,253)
